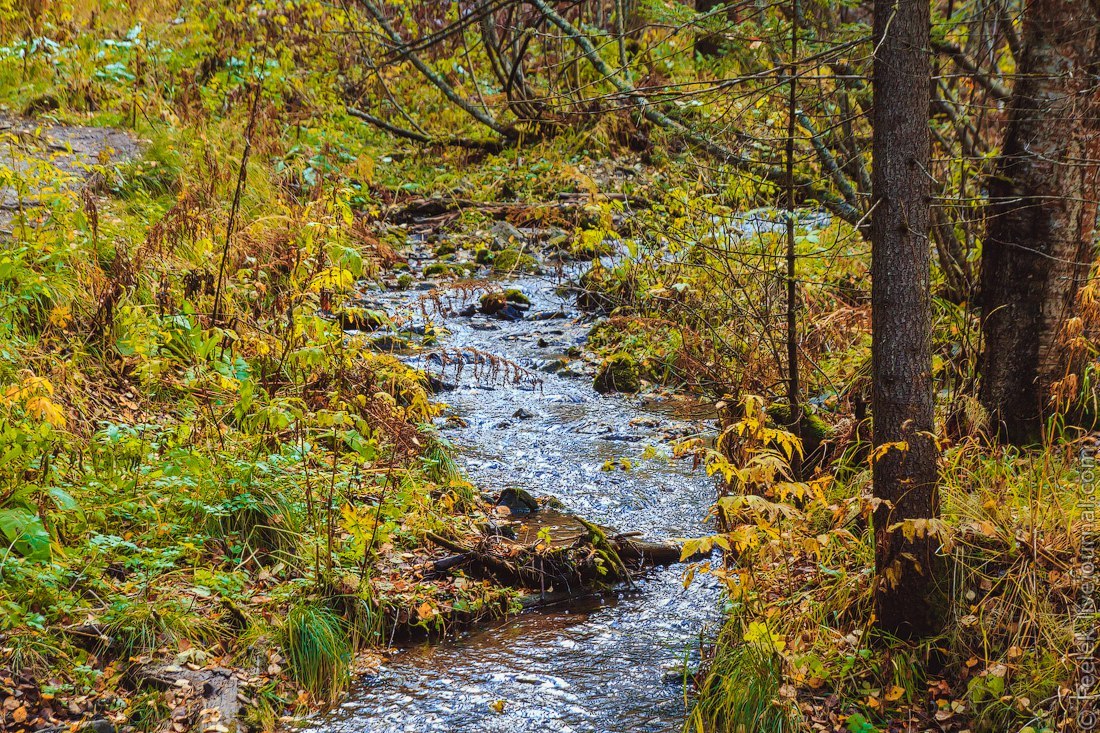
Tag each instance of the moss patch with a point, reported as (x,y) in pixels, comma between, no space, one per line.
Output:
(512,260)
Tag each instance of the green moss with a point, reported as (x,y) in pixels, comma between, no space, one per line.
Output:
(813,428)
(514,295)
(404,281)
(442,269)
(617,373)
(511,260)
(483,256)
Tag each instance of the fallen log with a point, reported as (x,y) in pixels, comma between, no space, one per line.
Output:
(589,557)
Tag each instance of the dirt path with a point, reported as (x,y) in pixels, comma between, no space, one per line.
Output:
(68,149)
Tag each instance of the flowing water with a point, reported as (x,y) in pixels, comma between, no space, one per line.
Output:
(606,663)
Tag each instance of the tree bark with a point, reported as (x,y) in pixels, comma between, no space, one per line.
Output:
(1041,216)
(905,470)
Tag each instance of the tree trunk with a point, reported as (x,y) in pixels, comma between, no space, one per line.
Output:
(906,471)
(1042,215)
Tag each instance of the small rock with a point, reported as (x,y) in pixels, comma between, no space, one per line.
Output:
(505,236)
(523,414)
(509,313)
(518,501)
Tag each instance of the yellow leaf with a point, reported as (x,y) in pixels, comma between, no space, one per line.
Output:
(61,316)
(41,408)
(758,633)
(894,693)
(364,169)
(885,448)
(333,278)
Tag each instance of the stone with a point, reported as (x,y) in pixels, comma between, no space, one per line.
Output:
(505,236)
(518,501)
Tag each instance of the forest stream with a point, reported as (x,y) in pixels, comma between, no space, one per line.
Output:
(600,663)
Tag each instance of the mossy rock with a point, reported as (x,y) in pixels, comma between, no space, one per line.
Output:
(444,249)
(516,296)
(617,373)
(443,269)
(518,501)
(388,343)
(404,281)
(492,303)
(502,305)
(814,430)
(512,260)
(483,256)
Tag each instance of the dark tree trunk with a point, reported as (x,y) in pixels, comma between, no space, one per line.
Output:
(906,471)
(1042,215)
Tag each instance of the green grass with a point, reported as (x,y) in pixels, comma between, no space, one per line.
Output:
(318,652)
(742,690)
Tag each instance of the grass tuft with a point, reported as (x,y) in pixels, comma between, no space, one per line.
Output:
(317,649)
(743,690)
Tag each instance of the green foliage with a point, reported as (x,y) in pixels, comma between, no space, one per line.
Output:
(317,650)
(744,688)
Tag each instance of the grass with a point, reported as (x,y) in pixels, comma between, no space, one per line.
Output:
(317,649)
(743,690)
